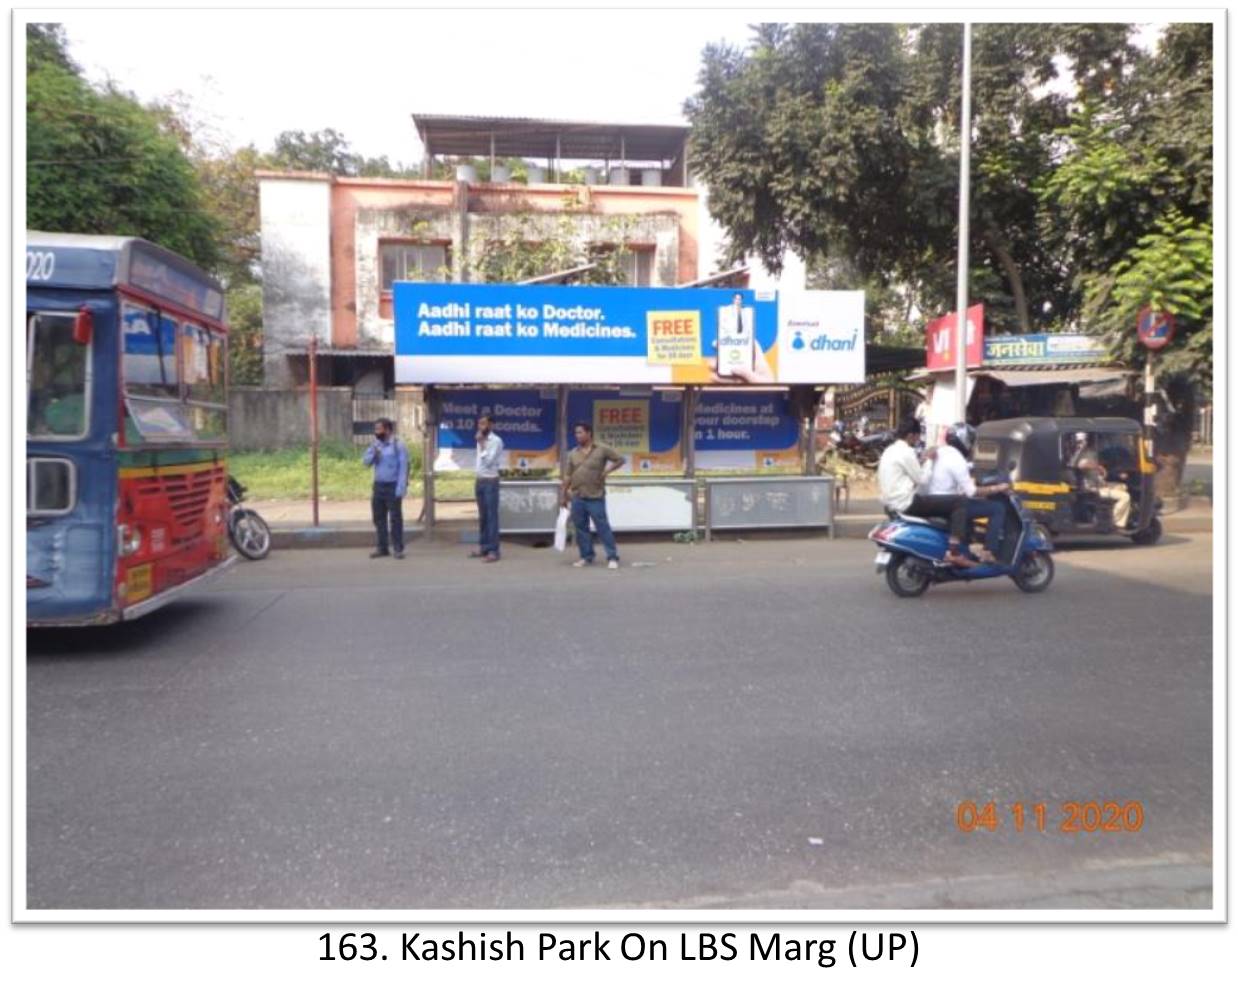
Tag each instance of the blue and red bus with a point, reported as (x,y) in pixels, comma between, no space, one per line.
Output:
(126,428)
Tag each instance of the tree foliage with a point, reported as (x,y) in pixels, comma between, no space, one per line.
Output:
(524,248)
(840,142)
(328,151)
(100,162)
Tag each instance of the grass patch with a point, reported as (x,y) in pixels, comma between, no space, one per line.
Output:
(285,473)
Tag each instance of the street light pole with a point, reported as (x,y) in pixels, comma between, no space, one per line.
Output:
(313,405)
(960,300)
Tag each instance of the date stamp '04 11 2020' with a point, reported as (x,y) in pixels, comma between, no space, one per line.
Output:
(1091,816)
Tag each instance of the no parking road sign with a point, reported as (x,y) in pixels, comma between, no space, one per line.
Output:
(1155,328)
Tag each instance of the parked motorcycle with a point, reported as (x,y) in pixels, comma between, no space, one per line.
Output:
(912,553)
(864,448)
(247,529)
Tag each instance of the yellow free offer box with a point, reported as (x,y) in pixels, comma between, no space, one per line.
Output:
(674,337)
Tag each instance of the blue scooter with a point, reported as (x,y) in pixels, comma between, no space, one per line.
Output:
(913,553)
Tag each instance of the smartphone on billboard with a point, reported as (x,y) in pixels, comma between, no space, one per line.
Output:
(736,339)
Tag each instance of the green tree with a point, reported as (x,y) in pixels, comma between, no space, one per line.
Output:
(841,143)
(1128,206)
(328,151)
(99,162)
(245,333)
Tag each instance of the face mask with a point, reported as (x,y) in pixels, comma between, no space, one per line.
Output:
(380,436)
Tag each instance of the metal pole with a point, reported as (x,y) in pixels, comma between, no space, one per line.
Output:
(313,397)
(1149,402)
(960,300)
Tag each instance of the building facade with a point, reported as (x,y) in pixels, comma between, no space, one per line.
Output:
(332,247)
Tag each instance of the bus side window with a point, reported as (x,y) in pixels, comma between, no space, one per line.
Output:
(59,372)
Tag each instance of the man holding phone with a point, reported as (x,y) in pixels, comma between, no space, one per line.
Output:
(389,458)
(486,489)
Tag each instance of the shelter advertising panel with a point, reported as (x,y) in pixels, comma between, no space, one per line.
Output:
(510,334)
(746,430)
(644,427)
(525,419)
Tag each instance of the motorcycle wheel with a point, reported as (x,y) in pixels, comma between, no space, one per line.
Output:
(1148,535)
(249,533)
(1035,572)
(905,577)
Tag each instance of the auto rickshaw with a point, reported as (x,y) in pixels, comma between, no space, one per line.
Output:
(1075,475)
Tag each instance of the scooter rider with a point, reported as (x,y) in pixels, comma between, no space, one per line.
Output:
(900,474)
(952,476)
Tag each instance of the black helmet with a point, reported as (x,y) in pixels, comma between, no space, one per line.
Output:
(962,437)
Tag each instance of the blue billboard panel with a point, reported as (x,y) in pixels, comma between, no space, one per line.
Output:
(524,419)
(509,334)
(646,427)
(746,430)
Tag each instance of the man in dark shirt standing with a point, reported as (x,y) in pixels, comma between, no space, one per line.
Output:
(389,458)
(588,466)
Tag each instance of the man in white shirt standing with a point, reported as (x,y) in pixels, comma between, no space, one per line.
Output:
(951,476)
(900,476)
(486,489)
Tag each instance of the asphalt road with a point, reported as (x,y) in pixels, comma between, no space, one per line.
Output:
(743,724)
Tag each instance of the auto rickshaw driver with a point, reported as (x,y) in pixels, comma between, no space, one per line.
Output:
(1093,476)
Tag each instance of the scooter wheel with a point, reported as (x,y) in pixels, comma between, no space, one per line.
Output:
(906,576)
(1035,572)
(1148,535)
(250,534)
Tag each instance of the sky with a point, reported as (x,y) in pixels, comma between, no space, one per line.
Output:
(364,72)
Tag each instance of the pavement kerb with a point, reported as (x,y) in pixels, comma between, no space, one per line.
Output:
(336,535)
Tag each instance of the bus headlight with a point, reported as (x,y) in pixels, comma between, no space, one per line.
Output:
(128,539)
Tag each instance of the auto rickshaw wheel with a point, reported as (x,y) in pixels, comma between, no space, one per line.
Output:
(906,578)
(1149,534)
(1035,572)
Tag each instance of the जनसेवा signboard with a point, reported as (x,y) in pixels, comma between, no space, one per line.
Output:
(1043,347)
(746,430)
(522,334)
(523,418)
(646,427)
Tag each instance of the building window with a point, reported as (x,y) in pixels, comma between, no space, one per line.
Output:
(412,261)
(635,264)
(638,265)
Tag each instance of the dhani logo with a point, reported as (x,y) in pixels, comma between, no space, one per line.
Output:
(829,343)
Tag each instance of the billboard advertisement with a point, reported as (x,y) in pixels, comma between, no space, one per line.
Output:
(746,430)
(645,427)
(518,334)
(524,419)
(940,335)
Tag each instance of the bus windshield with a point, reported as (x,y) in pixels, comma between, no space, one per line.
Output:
(57,376)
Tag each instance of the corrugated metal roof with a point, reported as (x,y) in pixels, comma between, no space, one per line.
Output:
(539,138)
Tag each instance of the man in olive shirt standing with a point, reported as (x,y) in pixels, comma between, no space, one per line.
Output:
(588,466)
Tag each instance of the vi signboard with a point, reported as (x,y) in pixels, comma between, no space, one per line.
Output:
(940,338)
(519,334)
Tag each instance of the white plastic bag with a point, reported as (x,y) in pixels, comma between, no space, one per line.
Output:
(561,530)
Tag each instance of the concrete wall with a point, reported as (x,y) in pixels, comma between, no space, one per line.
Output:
(260,418)
(296,268)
